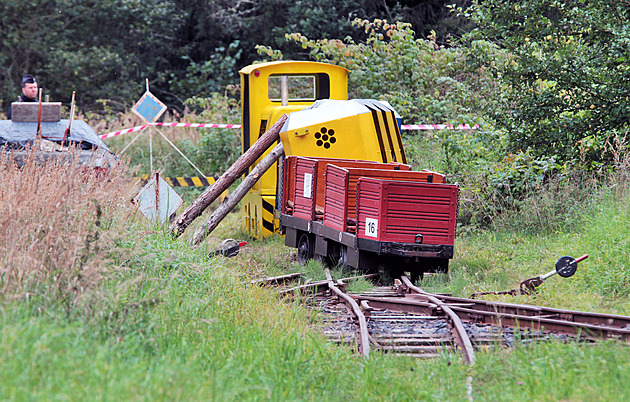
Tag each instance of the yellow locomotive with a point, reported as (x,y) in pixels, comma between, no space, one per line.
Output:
(322,123)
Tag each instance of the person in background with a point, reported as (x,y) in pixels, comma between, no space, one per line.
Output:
(29,91)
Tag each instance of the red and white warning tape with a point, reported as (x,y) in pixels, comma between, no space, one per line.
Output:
(214,125)
(125,131)
(438,127)
(195,125)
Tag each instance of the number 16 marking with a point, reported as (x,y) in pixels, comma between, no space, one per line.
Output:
(371,227)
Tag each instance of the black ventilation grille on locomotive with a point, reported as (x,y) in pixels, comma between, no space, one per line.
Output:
(400,144)
(325,137)
(389,134)
(263,128)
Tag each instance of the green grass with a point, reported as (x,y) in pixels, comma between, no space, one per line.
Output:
(208,338)
(176,325)
(553,371)
(167,322)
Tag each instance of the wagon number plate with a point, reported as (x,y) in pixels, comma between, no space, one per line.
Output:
(371,227)
(308,185)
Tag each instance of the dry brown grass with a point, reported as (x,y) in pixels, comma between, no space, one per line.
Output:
(57,225)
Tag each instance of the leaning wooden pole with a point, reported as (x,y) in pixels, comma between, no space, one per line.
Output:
(230,176)
(233,199)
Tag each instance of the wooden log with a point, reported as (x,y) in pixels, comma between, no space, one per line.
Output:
(230,176)
(233,199)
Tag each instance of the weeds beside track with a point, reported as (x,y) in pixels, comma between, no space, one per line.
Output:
(165,322)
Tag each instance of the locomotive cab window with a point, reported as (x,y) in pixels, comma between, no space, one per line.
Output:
(299,88)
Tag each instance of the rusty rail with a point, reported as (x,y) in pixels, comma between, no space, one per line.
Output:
(412,299)
(457,328)
(579,323)
(364,337)
(321,286)
(593,326)
(276,280)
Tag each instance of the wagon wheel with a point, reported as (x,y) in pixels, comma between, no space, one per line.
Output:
(304,249)
(339,256)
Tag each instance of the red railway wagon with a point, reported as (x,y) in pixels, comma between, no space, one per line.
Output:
(304,181)
(367,215)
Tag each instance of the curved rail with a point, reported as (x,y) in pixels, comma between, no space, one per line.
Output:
(457,328)
(364,340)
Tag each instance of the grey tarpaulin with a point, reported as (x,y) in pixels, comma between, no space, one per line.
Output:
(23,132)
(18,138)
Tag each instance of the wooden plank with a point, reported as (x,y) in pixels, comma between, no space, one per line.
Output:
(28,111)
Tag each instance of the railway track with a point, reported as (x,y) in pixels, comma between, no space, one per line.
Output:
(411,333)
(408,321)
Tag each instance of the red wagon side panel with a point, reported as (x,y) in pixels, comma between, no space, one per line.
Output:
(309,207)
(406,212)
(371,208)
(305,186)
(336,194)
(354,174)
(322,165)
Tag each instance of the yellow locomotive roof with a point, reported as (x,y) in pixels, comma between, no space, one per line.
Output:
(291,67)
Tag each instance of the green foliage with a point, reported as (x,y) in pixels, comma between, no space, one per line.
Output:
(425,82)
(568,78)
(217,149)
(208,76)
(105,50)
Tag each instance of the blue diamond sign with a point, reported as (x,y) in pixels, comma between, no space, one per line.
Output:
(149,108)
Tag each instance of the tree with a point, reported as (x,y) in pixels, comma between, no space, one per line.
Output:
(570,74)
(105,49)
(102,49)
(222,35)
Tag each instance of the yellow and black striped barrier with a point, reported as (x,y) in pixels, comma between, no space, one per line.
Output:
(185,181)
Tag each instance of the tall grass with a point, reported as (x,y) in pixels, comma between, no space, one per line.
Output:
(56,226)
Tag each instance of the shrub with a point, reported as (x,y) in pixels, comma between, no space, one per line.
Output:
(567,81)
(425,82)
(218,149)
